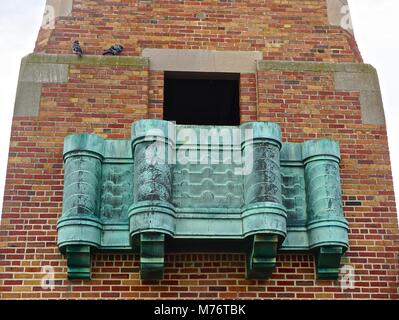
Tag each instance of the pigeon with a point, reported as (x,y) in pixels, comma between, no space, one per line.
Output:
(115,50)
(76,49)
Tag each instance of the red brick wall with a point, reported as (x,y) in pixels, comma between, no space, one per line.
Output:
(282,30)
(105,100)
(155,105)
(307,106)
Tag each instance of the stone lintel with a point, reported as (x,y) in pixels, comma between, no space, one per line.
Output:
(202,60)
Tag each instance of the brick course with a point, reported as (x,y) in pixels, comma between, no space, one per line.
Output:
(288,30)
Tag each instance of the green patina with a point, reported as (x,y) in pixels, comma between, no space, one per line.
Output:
(238,185)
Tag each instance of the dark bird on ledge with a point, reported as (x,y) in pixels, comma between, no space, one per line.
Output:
(76,49)
(115,50)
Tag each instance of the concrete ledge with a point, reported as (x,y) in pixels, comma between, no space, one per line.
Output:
(347,77)
(37,69)
(71,59)
(44,73)
(367,84)
(299,66)
(202,60)
(27,101)
(31,78)
(372,107)
(351,81)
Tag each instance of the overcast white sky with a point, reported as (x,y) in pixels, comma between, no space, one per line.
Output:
(375,22)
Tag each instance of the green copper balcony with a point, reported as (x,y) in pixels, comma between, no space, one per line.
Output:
(201,188)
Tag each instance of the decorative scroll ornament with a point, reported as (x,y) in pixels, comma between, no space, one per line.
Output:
(177,185)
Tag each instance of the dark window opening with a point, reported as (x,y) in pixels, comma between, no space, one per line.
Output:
(202,98)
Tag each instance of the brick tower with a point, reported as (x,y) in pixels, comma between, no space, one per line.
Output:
(86,215)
